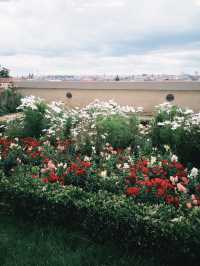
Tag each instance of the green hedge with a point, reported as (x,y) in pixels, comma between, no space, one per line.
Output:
(104,216)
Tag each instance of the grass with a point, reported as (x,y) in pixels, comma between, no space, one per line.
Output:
(25,243)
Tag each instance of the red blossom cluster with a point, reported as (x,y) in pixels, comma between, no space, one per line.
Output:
(33,148)
(5,145)
(79,169)
(163,180)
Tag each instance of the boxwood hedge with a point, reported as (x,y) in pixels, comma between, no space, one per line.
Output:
(106,216)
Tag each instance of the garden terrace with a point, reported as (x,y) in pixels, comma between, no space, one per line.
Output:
(102,170)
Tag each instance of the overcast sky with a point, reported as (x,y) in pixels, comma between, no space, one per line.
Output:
(100,36)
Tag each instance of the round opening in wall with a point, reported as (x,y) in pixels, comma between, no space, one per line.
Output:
(69,95)
(170,97)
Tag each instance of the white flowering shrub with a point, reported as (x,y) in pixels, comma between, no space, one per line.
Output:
(90,131)
(180,129)
(34,110)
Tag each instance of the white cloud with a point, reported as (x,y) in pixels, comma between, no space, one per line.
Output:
(197,2)
(161,61)
(76,33)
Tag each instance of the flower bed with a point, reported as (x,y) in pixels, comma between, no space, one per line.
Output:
(101,168)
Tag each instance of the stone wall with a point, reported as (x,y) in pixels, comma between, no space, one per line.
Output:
(147,97)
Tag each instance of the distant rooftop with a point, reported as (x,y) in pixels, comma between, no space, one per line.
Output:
(111,85)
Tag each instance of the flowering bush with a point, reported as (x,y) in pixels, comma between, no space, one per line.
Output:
(164,180)
(96,147)
(101,168)
(180,129)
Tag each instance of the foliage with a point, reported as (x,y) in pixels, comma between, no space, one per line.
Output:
(119,131)
(34,121)
(4,72)
(180,129)
(106,216)
(9,101)
(101,169)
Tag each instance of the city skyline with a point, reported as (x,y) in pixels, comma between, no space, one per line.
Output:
(95,37)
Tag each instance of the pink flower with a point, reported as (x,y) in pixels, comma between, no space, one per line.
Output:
(193,197)
(195,202)
(44,170)
(189,205)
(181,188)
(51,165)
(61,147)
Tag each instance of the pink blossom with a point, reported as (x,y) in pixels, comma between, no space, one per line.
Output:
(181,188)
(189,205)
(51,165)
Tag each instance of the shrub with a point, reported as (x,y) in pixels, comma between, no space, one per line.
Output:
(180,129)
(104,216)
(14,129)
(9,101)
(34,121)
(119,131)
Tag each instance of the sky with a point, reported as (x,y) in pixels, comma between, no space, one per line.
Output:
(100,36)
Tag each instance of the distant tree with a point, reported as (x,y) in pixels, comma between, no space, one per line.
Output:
(4,72)
(117,78)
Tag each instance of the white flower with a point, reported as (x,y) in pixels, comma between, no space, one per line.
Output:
(153,159)
(56,107)
(174,158)
(126,166)
(103,173)
(13,145)
(160,124)
(167,147)
(188,111)
(118,166)
(29,102)
(87,159)
(194,172)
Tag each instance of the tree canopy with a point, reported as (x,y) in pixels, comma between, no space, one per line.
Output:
(4,72)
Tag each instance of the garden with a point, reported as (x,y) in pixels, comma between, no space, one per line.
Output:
(108,172)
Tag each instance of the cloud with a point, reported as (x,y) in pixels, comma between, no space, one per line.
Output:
(97,32)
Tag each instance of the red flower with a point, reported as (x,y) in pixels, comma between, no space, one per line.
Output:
(172,200)
(165,162)
(53,177)
(35,154)
(74,166)
(160,192)
(46,160)
(45,180)
(178,166)
(133,191)
(145,170)
(145,163)
(80,171)
(86,164)
(31,142)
